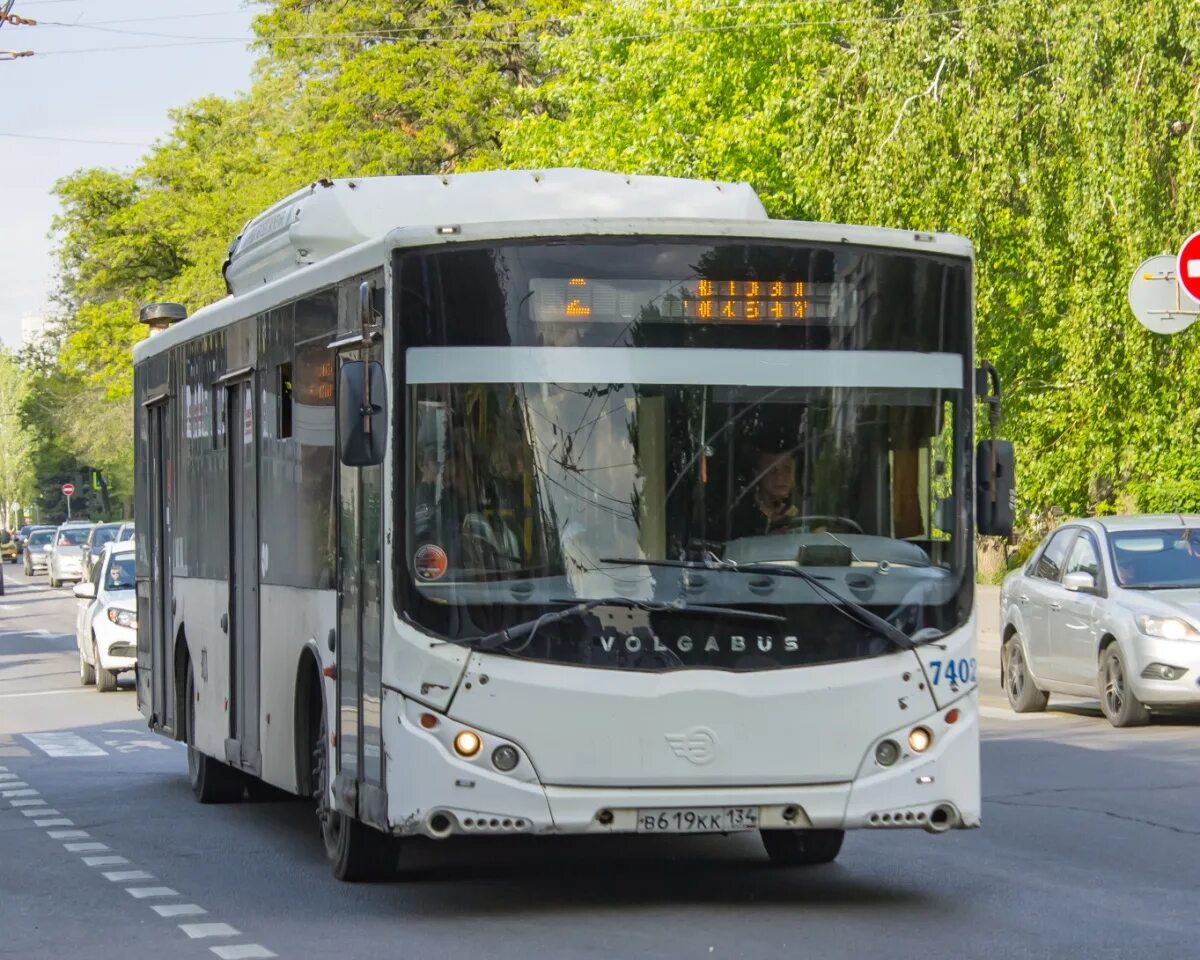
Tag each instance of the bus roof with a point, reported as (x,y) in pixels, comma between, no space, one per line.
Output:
(715,211)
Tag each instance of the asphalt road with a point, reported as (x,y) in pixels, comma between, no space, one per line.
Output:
(1090,848)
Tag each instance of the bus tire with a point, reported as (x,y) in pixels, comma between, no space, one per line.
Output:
(802,848)
(357,853)
(211,780)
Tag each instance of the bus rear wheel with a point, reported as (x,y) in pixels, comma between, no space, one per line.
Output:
(357,853)
(802,848)
(211,780)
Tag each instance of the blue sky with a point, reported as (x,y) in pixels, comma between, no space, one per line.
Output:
(86,84)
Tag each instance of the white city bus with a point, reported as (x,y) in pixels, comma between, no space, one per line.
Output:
(568,502)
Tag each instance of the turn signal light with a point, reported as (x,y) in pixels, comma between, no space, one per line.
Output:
(952,715)
(429,721)
(467,743)
(920,739)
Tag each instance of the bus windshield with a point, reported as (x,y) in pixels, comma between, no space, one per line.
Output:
(532,472)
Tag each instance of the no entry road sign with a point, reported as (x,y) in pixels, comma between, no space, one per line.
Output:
(1188,267)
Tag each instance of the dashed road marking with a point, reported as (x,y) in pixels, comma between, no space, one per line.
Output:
(43,693)
(141,893)
(75,840)
(242,951)
(123,876)
(104,861)
(198,931)
(65,745)
(5,775)
(178,909)
(90,847)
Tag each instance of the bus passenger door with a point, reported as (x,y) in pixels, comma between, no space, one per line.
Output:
(360,603)
(242,746)
(155,661)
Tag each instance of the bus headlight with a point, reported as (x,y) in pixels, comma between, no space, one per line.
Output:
(887,753)
(505,758)
(919,739)
(467,743)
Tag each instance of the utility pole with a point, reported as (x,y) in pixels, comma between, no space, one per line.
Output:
(8,5)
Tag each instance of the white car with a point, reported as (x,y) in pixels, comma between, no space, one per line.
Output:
(64,558)
(1107,608)
(106,625)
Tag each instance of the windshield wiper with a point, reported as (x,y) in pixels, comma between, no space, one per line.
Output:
(527,629)
(849,608)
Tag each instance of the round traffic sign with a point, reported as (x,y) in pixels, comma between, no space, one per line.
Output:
(1187,267)
(68,489)
(1154,296)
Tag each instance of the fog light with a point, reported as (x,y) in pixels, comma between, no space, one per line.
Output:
(887,753)
(1162,671)
(467,743)
(505,758)
(919,739)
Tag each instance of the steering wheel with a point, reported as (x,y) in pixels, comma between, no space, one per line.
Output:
(815,520)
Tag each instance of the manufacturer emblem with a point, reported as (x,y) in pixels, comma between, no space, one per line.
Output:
(698,745)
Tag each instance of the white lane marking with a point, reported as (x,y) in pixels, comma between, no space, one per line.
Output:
(53,821)
(6,775)
(1001,713)
(13,785)
(3,769)
(104,861)
(141,893)
(178,909)
(121,730)
(42,693)
(243,951)
(198,931)
(64,745)
(121,876)
(66,834)
(90,847)
(27,792)
(31,803)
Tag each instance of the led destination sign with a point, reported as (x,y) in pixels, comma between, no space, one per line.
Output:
(696,301)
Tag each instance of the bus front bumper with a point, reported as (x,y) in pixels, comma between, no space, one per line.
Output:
(435,792)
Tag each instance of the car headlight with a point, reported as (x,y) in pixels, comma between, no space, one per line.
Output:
(123,618)
(1168,628)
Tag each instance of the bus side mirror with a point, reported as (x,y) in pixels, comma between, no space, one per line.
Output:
(362,424)
(995,490)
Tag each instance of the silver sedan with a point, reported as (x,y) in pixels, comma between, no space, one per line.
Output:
(1107,608)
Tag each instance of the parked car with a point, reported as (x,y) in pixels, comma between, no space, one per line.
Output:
(37,549)
(1107,608)
(65,561)
(106,622)
(100,534)
(8,546)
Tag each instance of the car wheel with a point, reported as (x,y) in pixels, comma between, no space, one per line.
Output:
(87,673)
(802,848)
(1117,701)
(1023,695)
(106,680)
(211,780)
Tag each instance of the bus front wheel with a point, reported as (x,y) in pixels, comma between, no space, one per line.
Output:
(357,853)
(800,848)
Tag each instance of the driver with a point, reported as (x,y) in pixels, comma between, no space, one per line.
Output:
(766,505)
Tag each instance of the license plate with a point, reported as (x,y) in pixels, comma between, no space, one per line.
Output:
(697,819)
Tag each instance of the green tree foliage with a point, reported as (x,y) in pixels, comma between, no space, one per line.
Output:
(1057,136)
(17,440)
